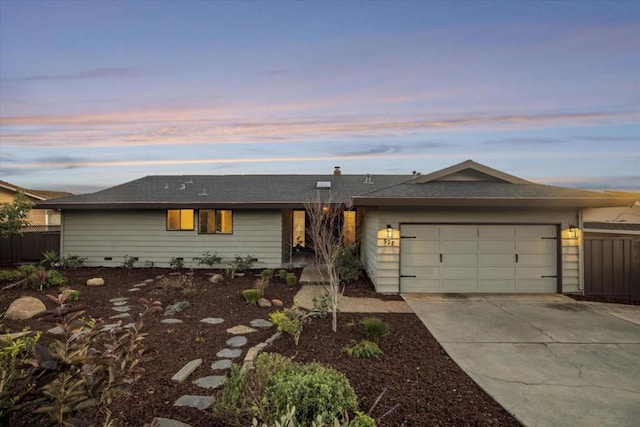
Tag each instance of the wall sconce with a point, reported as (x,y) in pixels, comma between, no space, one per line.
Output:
(388,241)
(573,230)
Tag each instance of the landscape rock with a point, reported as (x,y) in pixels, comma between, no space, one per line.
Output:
(237,341)
(212,320)
(261,323)
(120,316)
(277,303)
(168,422)
(118,299)
(198,402)
(171,321)
(57,330)
(241,330)
(213,381)
(96,281)
(216,278)
(221,364)
(135,290)
(24,308)
(263,302)
(186,370)
(121,309)
(227,353)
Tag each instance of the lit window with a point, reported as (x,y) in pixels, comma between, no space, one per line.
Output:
(349,227)
(216,221)
(180,219)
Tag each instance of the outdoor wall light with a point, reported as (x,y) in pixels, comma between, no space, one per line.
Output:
(573,230)
(389,231)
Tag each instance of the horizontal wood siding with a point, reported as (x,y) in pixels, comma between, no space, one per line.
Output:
(143,234)
(369,243)
(388,258)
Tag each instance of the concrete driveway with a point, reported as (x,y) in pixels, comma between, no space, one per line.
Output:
(547,359)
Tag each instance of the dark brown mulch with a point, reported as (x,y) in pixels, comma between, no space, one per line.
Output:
(423,386)
(605,299)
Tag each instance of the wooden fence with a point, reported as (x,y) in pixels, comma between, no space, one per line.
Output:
(612,266)
(27,247)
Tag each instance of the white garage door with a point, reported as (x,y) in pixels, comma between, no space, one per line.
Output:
(478,258)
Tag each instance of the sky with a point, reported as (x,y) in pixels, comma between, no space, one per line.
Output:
(97,93)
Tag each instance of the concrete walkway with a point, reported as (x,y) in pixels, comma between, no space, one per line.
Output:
(350,304)
(547,359)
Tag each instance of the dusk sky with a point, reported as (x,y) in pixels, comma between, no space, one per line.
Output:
(97,93)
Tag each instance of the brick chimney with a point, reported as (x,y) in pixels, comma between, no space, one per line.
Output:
(337,171)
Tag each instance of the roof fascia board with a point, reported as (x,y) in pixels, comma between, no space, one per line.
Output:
(469,164)
(485,201)
(167,205)
(24,191)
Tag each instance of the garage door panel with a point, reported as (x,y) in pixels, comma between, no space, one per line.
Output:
(479,258)
(496,272)
(495,246)
(459,272)
(460,246)
(496,259)
(497,232)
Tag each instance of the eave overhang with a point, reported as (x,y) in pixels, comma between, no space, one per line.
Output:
(579,202)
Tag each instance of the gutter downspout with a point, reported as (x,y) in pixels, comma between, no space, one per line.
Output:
(581,253)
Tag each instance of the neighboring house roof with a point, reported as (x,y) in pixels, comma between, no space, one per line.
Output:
(35,194)
(465,184)
(249,191)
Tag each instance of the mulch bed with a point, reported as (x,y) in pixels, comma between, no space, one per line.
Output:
(421,385)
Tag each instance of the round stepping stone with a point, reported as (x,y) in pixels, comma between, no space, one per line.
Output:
(241,330)
(119,303)
(237,341)
(221,364)
(118,299)
(171,321)
(261,323)
(120,316)
(198,402)
(122,309)
(212,381)
(212,320)
(227,353)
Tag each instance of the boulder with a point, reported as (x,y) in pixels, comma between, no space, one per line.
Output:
(277,302)
(216,278)
(25,308)
(96,281)
(263,302)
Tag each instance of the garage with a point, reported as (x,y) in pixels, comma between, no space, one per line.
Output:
(449,258)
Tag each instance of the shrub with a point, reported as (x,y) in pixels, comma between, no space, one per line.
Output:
(321,307)
(261,284)
(72,261)
(363,349)
(10,276)
(176,263)
(73,295)
(85,369)
(50,259)
(129,262)
(313,389)
(55,278)
(267,274)
(13,354)
(348,265)
(291,279)
(290,321)
(208,259)
(374,328)
(178,307)
(251,296)
(282,274)
(362,420)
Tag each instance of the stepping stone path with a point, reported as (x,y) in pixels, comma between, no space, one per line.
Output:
(225,355)
(212,320)
(56,331)
(237,341)
(212,381)
(221,364)
(198,402)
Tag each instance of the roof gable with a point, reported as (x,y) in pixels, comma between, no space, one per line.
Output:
(468,171)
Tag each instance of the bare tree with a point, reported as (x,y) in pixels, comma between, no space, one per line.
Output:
(325,231)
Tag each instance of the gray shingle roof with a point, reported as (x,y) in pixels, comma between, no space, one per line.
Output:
(198,190)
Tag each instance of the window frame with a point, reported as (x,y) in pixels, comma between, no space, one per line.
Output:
(216,213)
(193,222)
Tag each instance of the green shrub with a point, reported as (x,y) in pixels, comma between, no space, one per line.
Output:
(251,296)
(267,274)
(13,355)
(362,420)
(313,389)
(73,295)
(50,259)
(291,279)
(348,265)
(178,307)
(208,259)
(375,329)
(10,276)
(321,307)
(56,278)
(290,321)
(27,270)
(282,274)
(363,349)
(72,261)
(176,263)
(234,402)
(289,420)
(129,262)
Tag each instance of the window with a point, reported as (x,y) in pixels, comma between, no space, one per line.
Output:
(216,221)
(349,227)
(180,219)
